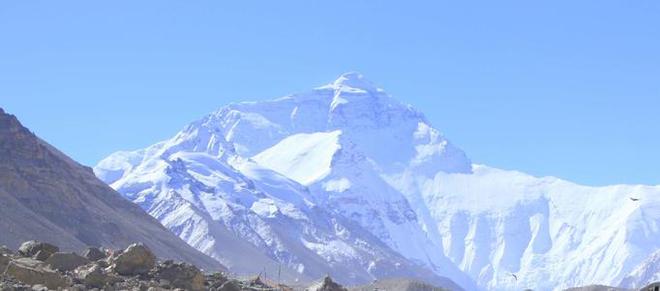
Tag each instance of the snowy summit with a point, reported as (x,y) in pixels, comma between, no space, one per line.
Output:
(347,181)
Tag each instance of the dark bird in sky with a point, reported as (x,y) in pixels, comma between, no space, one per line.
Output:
(634,199)
(514,276)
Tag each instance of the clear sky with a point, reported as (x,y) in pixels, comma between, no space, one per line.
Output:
(563,88)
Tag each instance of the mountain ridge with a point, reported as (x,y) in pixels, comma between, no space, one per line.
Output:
(47,196)
(470,223)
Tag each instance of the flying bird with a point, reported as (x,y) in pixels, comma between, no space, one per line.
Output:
(514,276)
(634,199)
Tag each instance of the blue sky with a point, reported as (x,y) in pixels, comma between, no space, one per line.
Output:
(563,88)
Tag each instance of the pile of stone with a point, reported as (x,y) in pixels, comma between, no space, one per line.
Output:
(41,266)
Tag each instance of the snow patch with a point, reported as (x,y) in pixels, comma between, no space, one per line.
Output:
(337,185)
(305,158)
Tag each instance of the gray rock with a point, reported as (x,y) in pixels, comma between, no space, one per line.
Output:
(93,276)
(327,285)
(31,248)
(651,287)
(134,260)
(33,272)
(66,261)
(4,250)
(42,255)
(180,275)
(216,280)
(4,261)
(94,254)
(78,287)
(230,286)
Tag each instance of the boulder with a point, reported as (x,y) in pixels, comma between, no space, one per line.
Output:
(33,272)
(180,275)
(66,261)
(134,260)
(230,286)
(93,276)
(4,250)
(4,261)
(94,254)
(327,285)
(215,280)
(42,255)
(258,283)
(31,248)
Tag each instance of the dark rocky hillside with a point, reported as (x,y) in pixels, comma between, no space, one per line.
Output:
(47,196)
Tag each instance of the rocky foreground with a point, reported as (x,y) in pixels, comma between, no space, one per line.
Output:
(41,266)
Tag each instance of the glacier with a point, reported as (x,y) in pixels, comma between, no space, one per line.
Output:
(345,180)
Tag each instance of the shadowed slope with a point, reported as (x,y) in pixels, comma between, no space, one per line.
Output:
(45,195)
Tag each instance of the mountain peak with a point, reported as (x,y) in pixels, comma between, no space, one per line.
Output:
(10,126)
(352,80)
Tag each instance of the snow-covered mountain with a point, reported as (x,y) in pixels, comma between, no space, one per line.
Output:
(344,179)
(645,273)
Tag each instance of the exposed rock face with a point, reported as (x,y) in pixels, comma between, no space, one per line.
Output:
(33,272)
(66,261)
(34,248)
(134,260)
(45,195)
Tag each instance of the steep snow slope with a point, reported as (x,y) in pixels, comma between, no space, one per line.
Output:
(305,158)
(246,216)
(551,233)
(382,169)
(644,274)
(352,187)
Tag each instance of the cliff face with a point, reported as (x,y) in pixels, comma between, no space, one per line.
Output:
(47,196)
